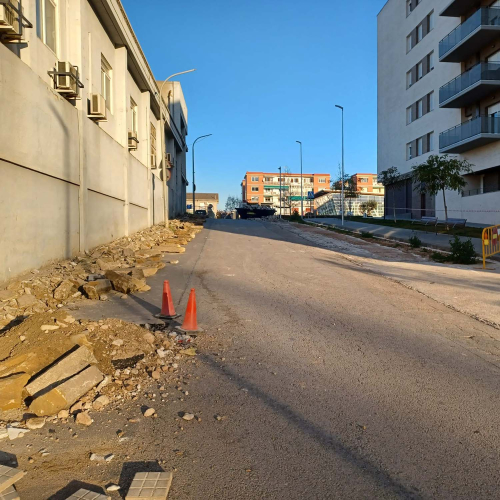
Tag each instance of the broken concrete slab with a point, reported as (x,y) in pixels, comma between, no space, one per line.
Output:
(10,494)
(74,362)
(65,290)
(123,283)
(11,390)
(171,249)
(107,265)
(8,476)
(67,393)
(14,432)
(126,359)
(150,485)
(25,301)
(94,289)
(84,494)
(6,295)
(149,271)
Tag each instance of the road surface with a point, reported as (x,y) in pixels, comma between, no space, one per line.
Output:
(333,382)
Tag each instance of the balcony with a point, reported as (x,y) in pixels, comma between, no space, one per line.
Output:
(470,134)
(470,86)
(469,37)
(457,8)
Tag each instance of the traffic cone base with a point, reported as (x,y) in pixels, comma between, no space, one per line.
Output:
(167,305)
(190,323)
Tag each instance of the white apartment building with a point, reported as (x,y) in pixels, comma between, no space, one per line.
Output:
(80,132)
(439,92)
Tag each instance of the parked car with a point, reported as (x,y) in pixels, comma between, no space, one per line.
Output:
(201,212)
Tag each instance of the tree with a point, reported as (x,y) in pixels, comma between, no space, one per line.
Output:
(232,202)
(350,191)
(439,173)
(389,178)
(368,206)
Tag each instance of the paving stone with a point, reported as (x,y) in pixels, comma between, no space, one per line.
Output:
(69,365)
(88,495)
(10,494)
(150,485)
(8,476)
(67,393)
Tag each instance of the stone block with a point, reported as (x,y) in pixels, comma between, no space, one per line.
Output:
(123,283)
(7,295)
(150,485)
(25,301)
(94,289)
(8,476)
(84,494)
(65,290)
(67,393)
(107,265)
(72,363)
(149,271)
(11,390)
(171,249)
(10,494)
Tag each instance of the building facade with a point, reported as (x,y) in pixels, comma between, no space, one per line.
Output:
(80,134)
(263,188)
(330,203)
(202,201)
(367,183)
(439,93)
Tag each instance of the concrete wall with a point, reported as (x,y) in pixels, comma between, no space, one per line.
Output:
(69,183)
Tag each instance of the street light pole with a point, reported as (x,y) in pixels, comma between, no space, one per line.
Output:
(342,195)
(163,152)
(194,185)
(301,183)
(280,191)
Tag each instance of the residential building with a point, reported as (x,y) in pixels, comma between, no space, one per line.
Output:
(202,201)
(80,134)
(367,183)
(329,202)
(263,188)
(439,93)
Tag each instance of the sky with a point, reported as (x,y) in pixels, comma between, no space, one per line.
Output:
(269,73)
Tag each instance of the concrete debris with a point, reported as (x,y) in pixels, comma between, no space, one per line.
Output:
(83,418)
(112,487)
(188,416)
(15,432)
(96,289)
(35,423)
(65,289)
(11,390)
(149,412)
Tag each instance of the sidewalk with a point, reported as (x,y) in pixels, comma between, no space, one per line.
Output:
(428,238)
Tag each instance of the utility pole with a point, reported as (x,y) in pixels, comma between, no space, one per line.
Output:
(301,183)
(280,191)
(163,152)
(194,185)
(342,195)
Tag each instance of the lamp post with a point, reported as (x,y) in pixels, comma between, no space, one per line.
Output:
(194,185)
(280,191)
(342,195)
(163,152)
(301,183)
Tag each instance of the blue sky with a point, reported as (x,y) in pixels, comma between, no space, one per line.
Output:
(269,72)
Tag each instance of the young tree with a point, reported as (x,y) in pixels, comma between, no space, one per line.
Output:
(368,206)
(440,173)
(232,202)
(389,179)
(350,191)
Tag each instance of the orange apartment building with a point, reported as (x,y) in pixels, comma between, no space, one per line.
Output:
(263,188)
(367,183)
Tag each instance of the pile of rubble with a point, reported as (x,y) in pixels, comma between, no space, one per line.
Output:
(61,368)
(118,267)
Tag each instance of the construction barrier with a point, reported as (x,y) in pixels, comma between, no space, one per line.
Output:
(491,242)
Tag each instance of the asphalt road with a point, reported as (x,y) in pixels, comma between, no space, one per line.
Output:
(333,382)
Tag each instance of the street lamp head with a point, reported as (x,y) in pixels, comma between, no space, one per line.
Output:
(340,107)
(299,142)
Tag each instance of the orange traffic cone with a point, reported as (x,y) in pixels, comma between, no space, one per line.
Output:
(190,323)
(167,305)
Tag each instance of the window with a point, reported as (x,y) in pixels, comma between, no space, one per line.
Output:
(409,79)
(255,178)
(408,151)
(408,7)
(296,181)
(269,200)
(152,140)
(431,101)
(408,43)
(46,23)
(255,189)
(106,81)
(255,198)
(322,180)
(268,179)
(431,20)
(431,141)
(419,146)
(133,116)
(420,32)
(363,179)
(420,108)
(420,70)
(431,60)
(409,117)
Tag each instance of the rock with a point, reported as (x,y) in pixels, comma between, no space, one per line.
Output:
(145,288)
(69,319)
(16,432)
(126,359)
(64,290)
(83,418)
(149,271)
(123,283)
(95,289)
(95,277)
(47,328)
(67,393)
(25,301)
(174,262)
(107,265)
(117,342)
(188,416)
(100,402)
(149,412)
(76,407)
(63,414)
(155,375)
(11,390)
(112,487)
(171,249)
(149,338)
(35,423)
(3,432)
(6,295)
(72,363)
(109,457)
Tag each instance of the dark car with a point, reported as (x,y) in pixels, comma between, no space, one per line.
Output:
(201,212)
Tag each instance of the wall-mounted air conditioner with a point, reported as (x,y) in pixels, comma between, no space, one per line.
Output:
(67,80)
(9,18)
(132,140)
(168,163)
(97,108)
(152,161)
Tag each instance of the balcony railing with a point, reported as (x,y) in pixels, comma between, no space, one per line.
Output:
(485,72)
(474,192)
(489,18)
(470,134)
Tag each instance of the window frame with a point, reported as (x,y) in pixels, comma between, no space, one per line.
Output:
(255,178)
(107,83)
(41,14)
(134,118)
(152,143)
(255,189)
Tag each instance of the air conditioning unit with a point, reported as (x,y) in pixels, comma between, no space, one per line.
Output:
(168,157)
(132,141)
(152,160)
(66,79)
(97,109)
(9,18)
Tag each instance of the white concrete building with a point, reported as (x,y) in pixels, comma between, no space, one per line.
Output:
(439,92)
(79,152)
